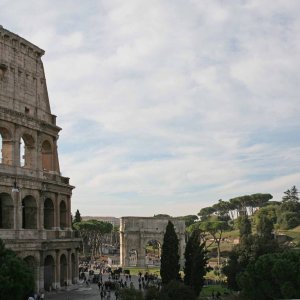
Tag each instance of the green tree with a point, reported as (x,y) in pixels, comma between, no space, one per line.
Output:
(195,262)
(264,226)
(162,216)
(244,225)
(272,276)
(291,195)
(131,294)
(289,219)
(176,290)
(250,248)
(190,249)
(152,293)
(92,233)
(188,220)
(260,200)
(246,204)
(199,269)
(206,212)
(215,229)
(240,254)
(77,218)
(289,210)
(16,279)
(222,210)
(169,269)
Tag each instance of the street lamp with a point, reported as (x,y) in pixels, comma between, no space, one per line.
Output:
(15,188)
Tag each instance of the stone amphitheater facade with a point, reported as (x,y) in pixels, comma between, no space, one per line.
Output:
(35,199)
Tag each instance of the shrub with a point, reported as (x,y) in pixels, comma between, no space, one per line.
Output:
(288,220)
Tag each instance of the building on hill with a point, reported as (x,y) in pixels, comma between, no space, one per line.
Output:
(35,199)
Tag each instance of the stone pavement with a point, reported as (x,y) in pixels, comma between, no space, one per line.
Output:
(81,291)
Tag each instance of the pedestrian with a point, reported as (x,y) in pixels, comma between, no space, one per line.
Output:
(42,297)
(88,282)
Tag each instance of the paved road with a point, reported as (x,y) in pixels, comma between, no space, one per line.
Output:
(83,292)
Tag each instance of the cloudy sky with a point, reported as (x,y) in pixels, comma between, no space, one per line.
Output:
(168,106)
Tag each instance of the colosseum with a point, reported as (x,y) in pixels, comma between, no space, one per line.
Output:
(35,199)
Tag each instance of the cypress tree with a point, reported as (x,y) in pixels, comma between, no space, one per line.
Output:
(195,263)
(199,269)
(77,217)
(169,269)
(190,249)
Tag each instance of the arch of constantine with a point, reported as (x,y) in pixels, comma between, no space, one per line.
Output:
(35,199)
(138,232)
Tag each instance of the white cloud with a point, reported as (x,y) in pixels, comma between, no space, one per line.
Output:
(169,106)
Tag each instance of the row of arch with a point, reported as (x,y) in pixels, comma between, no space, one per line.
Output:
(26,153)
(60,271)
(29,213)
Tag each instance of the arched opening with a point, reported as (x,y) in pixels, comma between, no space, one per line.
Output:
(1,147)
(29,213)
(63,270)
(32,265)
(22,153)
(73,268)
(48,214)
(48,272)
(6,211)
(47,156)
(6,145)
(133,257)
(26,151)
(63,215)
(153,253)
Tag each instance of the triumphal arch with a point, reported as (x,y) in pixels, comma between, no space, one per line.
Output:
(139,234)
(35,199)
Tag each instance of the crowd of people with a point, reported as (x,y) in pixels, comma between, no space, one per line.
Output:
(113,281)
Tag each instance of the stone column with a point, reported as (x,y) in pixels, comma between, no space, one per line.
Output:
(76,275)
(56,213)
(41,272)
(18,212)
(68,213)
(141,251)
(123,250)
(57,270)
(41,210)
(69,266)
(15,198)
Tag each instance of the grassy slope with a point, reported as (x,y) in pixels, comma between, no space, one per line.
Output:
(230,236)
(293,233)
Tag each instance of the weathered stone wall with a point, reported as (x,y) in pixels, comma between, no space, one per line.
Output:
(35,200)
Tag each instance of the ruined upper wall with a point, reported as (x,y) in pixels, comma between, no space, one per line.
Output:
(22,79)
(151,224)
